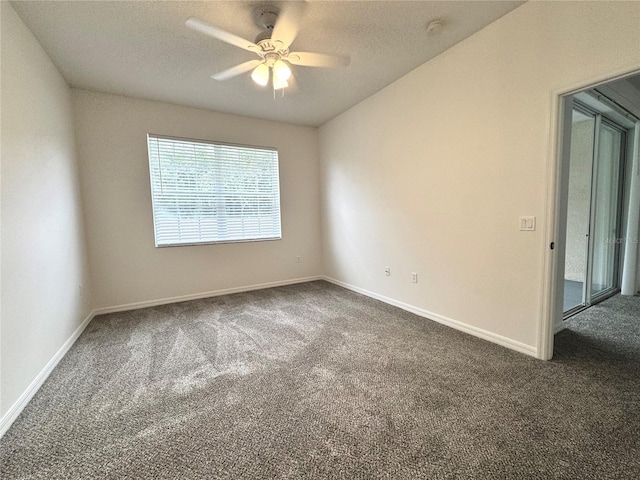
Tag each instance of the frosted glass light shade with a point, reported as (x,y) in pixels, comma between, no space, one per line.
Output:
(281,71)
(260,74)
(278,83)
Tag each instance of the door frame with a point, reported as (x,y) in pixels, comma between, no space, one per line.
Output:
(556,180)
(599,119)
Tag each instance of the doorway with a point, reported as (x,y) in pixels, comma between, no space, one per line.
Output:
(594,205)
(621,99)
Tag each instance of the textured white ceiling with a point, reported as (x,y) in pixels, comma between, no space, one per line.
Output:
(143,49)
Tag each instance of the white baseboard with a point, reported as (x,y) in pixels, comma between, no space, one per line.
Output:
(558,327)
(21,403)
(196,296)
(8,418)
(470,329)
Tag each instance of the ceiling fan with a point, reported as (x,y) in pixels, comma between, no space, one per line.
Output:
(271,46)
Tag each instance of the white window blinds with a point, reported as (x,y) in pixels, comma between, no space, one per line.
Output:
(207,192)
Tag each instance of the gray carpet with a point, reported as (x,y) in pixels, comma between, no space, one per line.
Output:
(611,328)
(313,381)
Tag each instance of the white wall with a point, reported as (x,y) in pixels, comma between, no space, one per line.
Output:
(43,247)
(111,132)
(431,174)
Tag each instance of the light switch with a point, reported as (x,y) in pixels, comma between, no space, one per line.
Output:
(527,224)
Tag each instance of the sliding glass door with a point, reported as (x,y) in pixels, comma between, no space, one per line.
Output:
(579,209)
(606,215)
(594,209)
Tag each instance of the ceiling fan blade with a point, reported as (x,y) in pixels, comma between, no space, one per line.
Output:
(311,59)
(237,70)
(215,32)
(288,23)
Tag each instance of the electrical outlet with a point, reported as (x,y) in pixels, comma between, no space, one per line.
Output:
(387,271)
(414,277)
(298,259)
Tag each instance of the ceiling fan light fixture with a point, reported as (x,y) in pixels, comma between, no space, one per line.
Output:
(279,83)
(272,46)
(281,71)
(260,74)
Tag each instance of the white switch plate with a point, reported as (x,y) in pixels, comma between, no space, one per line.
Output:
(527,224)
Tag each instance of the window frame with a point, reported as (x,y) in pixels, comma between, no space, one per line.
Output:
(216,143)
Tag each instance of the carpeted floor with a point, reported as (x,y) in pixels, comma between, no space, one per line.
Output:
(314,381)
(611,328)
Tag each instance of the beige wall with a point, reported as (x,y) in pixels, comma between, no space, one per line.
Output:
(431,174)
(111,132)
(45,280)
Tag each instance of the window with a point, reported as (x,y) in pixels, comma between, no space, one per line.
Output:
(206,192)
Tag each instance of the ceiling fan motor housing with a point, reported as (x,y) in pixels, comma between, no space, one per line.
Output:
(268,19)
(271,50)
